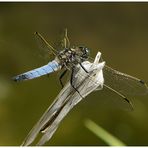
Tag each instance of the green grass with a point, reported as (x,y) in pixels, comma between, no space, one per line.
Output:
(103,134)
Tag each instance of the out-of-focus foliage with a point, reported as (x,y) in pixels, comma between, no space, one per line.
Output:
(103,134)
(118,30)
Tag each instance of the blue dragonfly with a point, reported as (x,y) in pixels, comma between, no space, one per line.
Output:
(69,58)
(66,59)
(68,98)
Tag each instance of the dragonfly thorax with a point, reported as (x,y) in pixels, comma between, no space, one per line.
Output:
(73,56)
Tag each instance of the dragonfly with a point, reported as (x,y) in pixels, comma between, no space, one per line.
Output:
(68,58)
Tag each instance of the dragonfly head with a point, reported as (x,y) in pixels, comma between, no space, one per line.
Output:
(85,52)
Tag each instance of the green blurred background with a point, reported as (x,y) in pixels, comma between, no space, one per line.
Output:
(118,30)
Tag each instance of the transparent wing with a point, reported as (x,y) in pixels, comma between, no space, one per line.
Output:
(47,50)
(124,83)
(117,100)
(45,44)
(44,70)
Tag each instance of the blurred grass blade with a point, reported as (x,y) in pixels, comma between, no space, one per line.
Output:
(103,134)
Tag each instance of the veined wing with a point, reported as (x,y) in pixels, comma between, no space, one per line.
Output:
(64,43)
(119,99)
(123,83)
(64,102)
(45,44)
(44,70)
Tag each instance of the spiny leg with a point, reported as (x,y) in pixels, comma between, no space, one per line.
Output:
(61,76)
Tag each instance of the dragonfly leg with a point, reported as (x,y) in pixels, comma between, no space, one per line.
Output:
(71,82)
(66,40)
(83,67)
(61,76)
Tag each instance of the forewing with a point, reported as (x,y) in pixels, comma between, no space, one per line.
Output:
(124,83)
(46,49)
(116,99)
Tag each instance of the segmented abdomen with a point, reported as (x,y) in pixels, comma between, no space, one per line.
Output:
(44,70)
